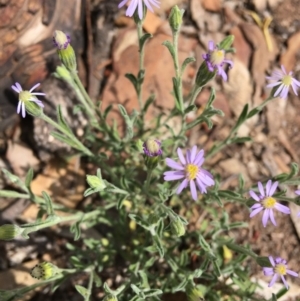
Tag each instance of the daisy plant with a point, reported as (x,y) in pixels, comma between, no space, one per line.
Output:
(140,234)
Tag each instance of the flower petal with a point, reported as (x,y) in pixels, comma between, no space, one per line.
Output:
(193,190)
(266,216)
(181,156)
(173,164)
(182,185)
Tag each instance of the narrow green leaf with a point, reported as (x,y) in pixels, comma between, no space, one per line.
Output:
(12,194)
(15,179)
(148,102)
(238,140)
(61,120)
(181,286)
(106,111)
(190,109)
(158,245)
(242,117)
(29,177)
(132,79)
(139,221)
(187,61)
(212,97)
(170,47)
(152,292)
(81,290)
(144,39)
(48,203)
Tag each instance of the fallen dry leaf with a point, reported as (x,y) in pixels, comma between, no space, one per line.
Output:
(288,58)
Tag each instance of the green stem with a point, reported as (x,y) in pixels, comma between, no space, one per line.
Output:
(177,69)
(79,145)
(148,180)
(28,228)
(234,130)
(195,92)
(90,286)
(141,63)
(85,99)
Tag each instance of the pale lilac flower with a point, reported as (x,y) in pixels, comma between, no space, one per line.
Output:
(283,81)
(61,40)
(298,193)
(266,202)
(26,96)
(152,148)
(189,169)
(134,4)
(279,268)
(215,60)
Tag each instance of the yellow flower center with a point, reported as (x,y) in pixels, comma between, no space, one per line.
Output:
(269,202)
(191,171)
(217,57)
(280,269)
(287,80)
(24,96)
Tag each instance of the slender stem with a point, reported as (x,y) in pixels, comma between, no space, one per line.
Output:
(28,228)
(222,144)
(86,100)
(148,180)
(195,92)
(70,135)
(177,68)
(141,63)
(90,286)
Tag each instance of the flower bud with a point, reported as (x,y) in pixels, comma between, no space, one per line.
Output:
(194,293)
(110,297)
(177,227)
(95,182)
(32,108)
(44,270)
(226,43)
(152,148)
(9,231)
(204,75)
(64,50)
(63,73)
(175,18)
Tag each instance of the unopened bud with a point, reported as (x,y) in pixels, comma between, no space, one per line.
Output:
(33,109)
(9,231)
(175,18)
(152,147)
(44,270)
(64,50)
(63,73)
(95,182)
(194,293)
(226,43)
(177,227)
(204,75)
(110,297)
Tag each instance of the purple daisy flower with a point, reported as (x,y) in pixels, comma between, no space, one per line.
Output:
(152,148)
(189,169)
(215,60)
(134,4)
(61,40)
(266,202)
(25,96)
(278,269)
(283,81)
